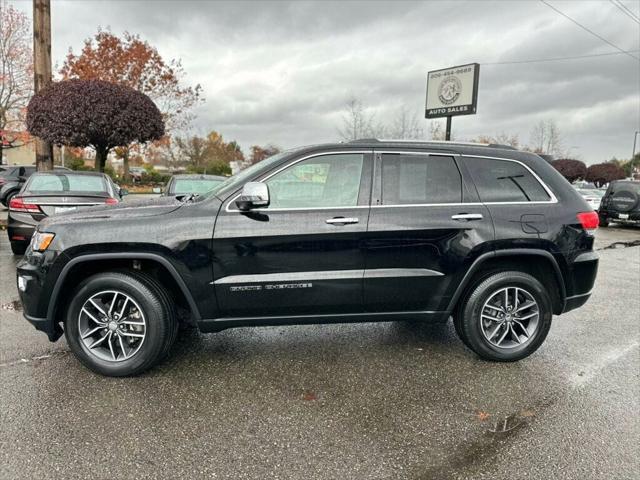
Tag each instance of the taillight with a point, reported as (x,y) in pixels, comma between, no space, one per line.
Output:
(18,205)
(589,220)
(111,201)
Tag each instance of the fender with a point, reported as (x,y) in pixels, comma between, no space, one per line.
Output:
(118,256)
(478,262)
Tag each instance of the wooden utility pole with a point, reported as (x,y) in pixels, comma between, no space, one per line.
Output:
(42,71)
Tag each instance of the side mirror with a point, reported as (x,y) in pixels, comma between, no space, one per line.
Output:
(254,195)
(123,192)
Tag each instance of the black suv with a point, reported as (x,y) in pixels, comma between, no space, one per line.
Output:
(621,203)
(365,231)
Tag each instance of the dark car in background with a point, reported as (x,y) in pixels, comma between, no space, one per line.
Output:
(185,184)
(365,231)
(50,193)
(12,178)
(621,203)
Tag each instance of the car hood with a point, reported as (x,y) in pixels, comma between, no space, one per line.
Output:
(122,211)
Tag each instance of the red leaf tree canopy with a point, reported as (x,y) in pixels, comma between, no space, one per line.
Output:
(95,113)
(570,169)
(603,173)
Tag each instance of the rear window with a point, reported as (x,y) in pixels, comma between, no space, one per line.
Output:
(420,179)
(625,187)
(194,185)
(504,181)
(66,183)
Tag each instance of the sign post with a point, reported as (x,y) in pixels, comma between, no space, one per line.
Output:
(452,91)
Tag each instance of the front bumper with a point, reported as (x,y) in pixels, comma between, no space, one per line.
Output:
(36,275)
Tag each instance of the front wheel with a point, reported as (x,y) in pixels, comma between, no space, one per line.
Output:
(604,222)
(119,324)
(505,317)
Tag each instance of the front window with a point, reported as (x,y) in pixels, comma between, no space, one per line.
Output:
(322,181)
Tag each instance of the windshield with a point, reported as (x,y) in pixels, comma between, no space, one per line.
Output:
(234,182)
(66,183)
(193,185)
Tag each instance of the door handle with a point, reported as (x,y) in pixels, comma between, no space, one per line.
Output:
(341,220)
(467,216)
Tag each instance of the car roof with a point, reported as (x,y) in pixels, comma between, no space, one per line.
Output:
(197,176)
(72,172)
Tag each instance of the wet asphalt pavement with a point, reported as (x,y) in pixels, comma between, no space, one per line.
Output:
(394,400)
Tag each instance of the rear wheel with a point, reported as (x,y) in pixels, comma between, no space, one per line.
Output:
(119,324)
(506,316)
(18,248)
(604,222)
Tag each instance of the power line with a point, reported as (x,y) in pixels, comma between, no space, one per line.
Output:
(589,30)
(557,59)
(626,10)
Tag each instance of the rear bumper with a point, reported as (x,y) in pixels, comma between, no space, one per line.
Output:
(632,217)
(20,232)
(583,272)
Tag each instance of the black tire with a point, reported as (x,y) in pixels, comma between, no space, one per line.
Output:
(604,222)
(469,318)
(154,304)
(18,248)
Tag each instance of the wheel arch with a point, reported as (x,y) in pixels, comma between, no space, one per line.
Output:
(539,263)
(89,264)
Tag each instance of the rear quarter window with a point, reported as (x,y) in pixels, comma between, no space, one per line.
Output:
(504,181)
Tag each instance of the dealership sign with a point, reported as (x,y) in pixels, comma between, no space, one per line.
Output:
(452,91)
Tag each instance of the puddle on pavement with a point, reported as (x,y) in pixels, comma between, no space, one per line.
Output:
(13,306)
(614,245)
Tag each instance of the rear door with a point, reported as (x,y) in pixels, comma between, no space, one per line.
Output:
(425,227)
(303,254)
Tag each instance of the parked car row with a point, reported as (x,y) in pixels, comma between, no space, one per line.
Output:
(619,202)
(31,196)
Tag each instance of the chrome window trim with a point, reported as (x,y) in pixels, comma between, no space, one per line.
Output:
(311,155)
(553,198)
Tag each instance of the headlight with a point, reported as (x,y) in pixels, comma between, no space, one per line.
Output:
(40,241)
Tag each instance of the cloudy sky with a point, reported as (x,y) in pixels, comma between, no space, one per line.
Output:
(279,72)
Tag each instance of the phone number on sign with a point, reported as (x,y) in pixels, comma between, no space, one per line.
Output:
(458,71)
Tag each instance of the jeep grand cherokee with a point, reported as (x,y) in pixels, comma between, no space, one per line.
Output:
(365,231)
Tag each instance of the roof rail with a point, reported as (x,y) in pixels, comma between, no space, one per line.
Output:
(446,142)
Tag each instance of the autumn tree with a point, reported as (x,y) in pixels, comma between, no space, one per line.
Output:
(211,153)
(602,173)
(500,139)
(570,169)
(259,153)
(131,61)
(93,113)
(16,75)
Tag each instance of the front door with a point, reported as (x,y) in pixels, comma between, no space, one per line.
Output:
(425,225)
(301,255)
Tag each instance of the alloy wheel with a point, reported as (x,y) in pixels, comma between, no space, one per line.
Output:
(509,317)
(112,326)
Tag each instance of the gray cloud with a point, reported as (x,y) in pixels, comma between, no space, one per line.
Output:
(281,72)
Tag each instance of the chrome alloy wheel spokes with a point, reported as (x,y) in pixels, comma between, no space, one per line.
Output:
(510,317)
(112,326)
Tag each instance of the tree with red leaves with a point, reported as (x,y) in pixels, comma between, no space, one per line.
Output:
(93,113)
(570,169)
(603,173)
